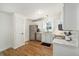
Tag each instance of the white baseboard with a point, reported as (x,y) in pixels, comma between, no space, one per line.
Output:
(19,45)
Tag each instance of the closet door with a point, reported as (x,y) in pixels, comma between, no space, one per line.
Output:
(19,22)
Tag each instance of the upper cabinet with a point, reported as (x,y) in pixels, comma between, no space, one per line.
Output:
(70,16)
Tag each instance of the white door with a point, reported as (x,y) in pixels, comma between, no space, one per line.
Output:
(19,31)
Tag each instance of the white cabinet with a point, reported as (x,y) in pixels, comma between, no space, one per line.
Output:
(63,47)
(47,37)
(38,36)
(63,50)
(70,16)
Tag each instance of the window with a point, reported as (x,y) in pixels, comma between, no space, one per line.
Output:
(48,26)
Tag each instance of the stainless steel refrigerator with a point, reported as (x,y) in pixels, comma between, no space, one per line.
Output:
(32,31)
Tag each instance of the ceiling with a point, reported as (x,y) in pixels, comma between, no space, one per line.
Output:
(29,9)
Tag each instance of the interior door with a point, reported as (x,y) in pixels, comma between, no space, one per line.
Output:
(20,31)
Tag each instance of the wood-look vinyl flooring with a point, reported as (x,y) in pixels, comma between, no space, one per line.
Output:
(31,48)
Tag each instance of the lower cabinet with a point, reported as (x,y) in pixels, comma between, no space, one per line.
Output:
(47,37)
(63,50)
(38,36)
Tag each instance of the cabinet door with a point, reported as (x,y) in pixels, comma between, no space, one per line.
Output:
(63,50)
(43,37)
(47,37)
(70,16)
(38,36)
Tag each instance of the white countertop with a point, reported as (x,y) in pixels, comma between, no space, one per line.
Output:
(64,42)
(73,43)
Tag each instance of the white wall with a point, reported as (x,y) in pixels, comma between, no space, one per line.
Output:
(42,23)
(55,16)
(54,12)
(77,24)
(27,23)
(77,16)
(6,29)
